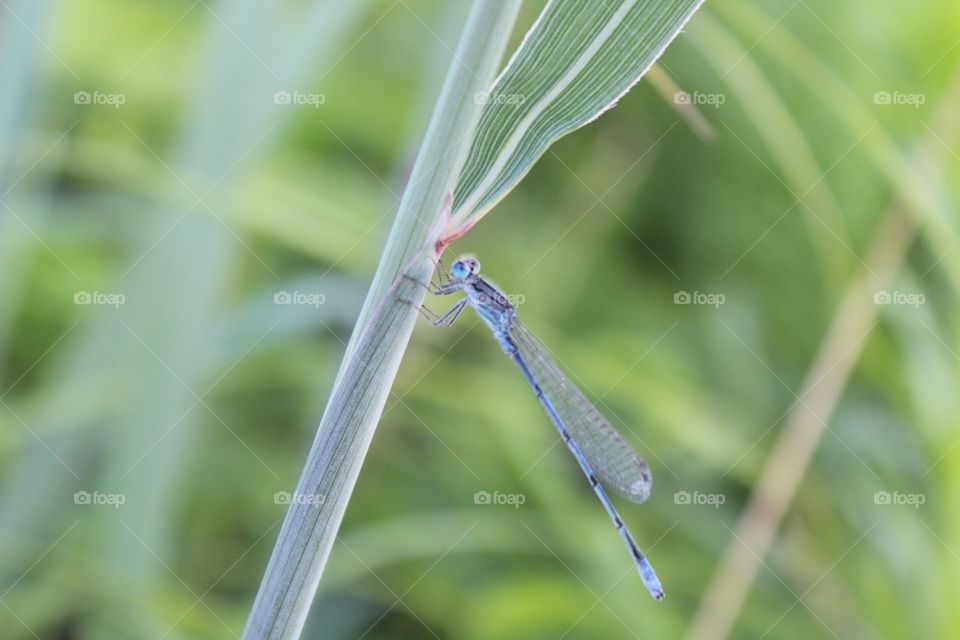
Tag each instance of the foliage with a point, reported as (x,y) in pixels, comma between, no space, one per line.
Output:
(196,398)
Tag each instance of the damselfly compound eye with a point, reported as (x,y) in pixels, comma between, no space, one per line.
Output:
(459,270)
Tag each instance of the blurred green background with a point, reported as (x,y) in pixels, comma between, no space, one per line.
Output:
(194,197)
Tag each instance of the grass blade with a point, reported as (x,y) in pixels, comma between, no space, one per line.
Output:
(574,64)
(380,337)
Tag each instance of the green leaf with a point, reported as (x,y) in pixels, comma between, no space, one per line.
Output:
(576,61)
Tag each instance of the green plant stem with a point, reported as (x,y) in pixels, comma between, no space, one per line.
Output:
(380,336)
(839,352)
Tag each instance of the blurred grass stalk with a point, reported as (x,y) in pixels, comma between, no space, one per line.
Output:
(182,261)
(854,320)
(16,95)
(381,334)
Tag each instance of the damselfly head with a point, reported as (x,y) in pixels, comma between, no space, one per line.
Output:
(466,265)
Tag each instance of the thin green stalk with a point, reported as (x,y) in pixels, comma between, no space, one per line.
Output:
(810,416)
(380,336)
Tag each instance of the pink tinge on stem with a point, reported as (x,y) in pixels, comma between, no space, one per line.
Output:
(447,237)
